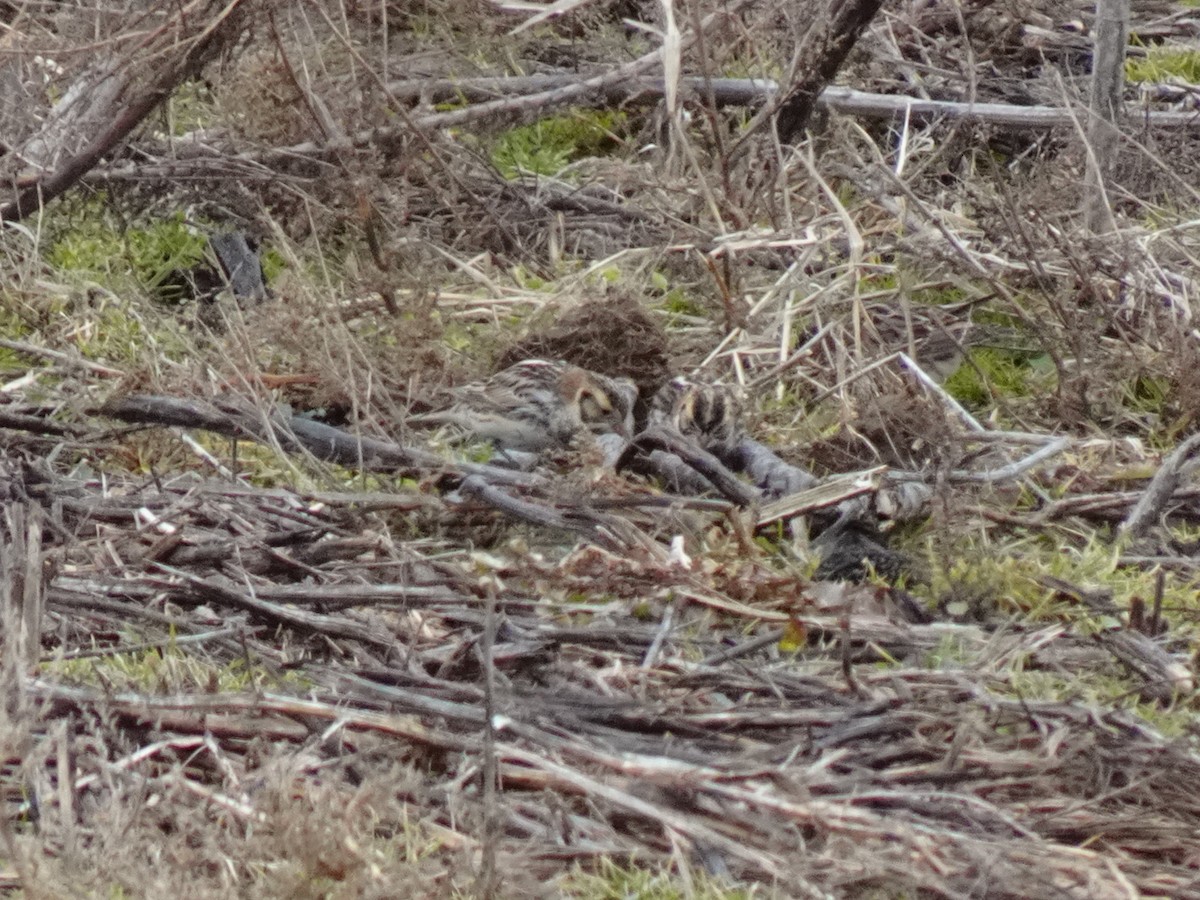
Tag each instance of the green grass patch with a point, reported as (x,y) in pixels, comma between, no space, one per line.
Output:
(83,243)
(614,882)
(547,146)
(1099,691)
(994,373)
(191,107)
(984,579)
(676,302)
(937,295)
(1146,394)
(1164,63)
(14,328)
(87,243)
(170,669)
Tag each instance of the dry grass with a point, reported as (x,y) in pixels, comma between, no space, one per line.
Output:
(237,670)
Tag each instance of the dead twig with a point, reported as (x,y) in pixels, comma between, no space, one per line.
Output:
(241,421)
(1159,491)
(581,522)
(706,464)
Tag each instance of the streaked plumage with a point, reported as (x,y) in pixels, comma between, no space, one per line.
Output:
(709,414)
(539,404)
(936,337)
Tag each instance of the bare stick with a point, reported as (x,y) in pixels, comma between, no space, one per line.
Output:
(1016,468)
(647,90)
(488,882)
(937,390)
(1159,491)
(846,23)
(294,433)
(1108,81)
(69,360)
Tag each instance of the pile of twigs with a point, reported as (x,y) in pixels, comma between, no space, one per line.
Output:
(548,728)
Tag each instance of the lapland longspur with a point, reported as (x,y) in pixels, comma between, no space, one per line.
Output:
(709,414)
(540,404)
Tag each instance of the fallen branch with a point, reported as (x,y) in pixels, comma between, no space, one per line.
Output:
(296,433)
(646,90)
(1159,491)
(671,441)
(191,52)
(204,161)
(200,714)
(37,425)
(538,513)
(222,592)
(68,360)
(823,55)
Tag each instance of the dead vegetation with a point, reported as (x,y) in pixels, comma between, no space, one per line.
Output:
(262,639)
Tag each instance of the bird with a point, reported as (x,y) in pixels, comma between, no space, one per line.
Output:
(935,337)
(709,414)
(538,404)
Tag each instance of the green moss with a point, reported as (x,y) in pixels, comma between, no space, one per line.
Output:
(14,328)
(1099,690)
(997,373)
(878,282)
(548,145)
(478,452)
(643,611)
(451,105)
(87,243)
(117,337)
(1164,63)
(160,249)
(459,337)
(972,578)
(614,882)
(273,264)
(82,242)
(528,280)
(190,107)
(678,303)
(939,295)
(169,669)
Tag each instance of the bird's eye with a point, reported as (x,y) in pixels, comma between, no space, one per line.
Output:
(589,409)
(593,407)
